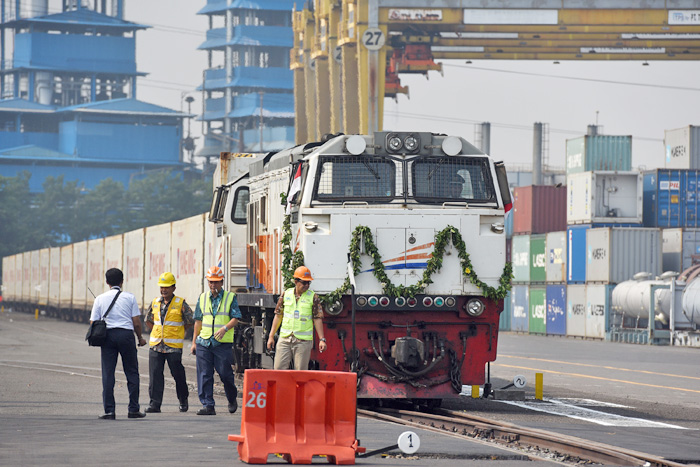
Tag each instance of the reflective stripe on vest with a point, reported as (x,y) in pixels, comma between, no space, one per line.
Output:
(303,327)
(172,330)
(209,321)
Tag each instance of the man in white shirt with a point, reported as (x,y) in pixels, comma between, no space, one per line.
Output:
(123,319)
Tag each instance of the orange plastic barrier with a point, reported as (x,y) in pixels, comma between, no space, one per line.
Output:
(298,414)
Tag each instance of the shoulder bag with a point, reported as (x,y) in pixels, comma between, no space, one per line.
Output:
(97,332)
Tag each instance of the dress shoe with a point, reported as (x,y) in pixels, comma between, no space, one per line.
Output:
(184,407)
(136,414)
(233,406)
(106,416)
(152,409)
(206,411)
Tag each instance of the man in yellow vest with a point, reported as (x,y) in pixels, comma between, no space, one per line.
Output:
(168,316)
(215,316)
(299,312)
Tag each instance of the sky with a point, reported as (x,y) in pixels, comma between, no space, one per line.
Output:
(625,98)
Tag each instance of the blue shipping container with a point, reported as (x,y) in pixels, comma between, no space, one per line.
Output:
(507,313)
(671,198)
(556,309)
(521,308)
(576,253)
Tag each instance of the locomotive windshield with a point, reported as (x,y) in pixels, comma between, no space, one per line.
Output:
(349,178)
(452,179)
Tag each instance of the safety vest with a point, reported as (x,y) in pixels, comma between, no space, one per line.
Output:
(303,326)
(211,323)
(172,330)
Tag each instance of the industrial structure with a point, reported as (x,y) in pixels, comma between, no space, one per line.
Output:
(68,96)
(349,54)
(247,87)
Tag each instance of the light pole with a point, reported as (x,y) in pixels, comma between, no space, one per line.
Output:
(188,141)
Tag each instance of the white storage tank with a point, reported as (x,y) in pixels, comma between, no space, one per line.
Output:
(604,197)
(633,297)
(691,302)
(614,255)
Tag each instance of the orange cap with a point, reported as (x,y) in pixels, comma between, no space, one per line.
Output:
(215,274)
(303,273)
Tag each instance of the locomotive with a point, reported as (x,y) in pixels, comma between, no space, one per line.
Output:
(404,235)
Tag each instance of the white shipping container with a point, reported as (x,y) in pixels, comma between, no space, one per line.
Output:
(44,264)
(681,249)
(555,256)
(19,274)
(65,294)
(35,281)
(614,255)
(8,278)
(187,257)
(80,271)
(598,299)
(157,260)
(54,276)
(97,283)
(114,252)
(576,310)
(682,148)
(604,197)
(133,262)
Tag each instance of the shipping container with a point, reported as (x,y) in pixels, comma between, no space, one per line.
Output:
(19,274)
(509,250)
(576,253)
(539,209)
(598,300)
(598,152)
(187,257)
(556,309)
(8,279)
(607,197)
(671,198)
(35,278)
(538,261)
(680,249)
(96,282)
(157,260)
(555,255)
(65,294)
(537,310)
(80,274)
(133,263)
(54,276)
(521,258)
(43,283)
(521,308)
(614,255)
(576,310)
(507,313)
(114,252)
(682,148)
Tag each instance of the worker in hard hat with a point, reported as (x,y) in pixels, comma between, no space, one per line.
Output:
(215,316)
(168,317)
(299,312)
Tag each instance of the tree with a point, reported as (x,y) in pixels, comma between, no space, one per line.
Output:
(19,228)
(101,212)
(56,209)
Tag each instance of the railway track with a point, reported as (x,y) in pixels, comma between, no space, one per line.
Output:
(535,443)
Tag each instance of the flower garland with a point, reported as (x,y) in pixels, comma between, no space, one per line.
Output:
(290,261)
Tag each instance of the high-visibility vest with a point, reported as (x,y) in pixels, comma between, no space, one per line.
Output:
(211,323)
(172,330)
(303,326)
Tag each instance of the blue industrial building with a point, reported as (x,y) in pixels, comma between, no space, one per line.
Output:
(68,97)
(248,85)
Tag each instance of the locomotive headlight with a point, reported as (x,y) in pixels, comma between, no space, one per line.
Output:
(450,301)
(335,308)
(474,307)
(310,226)
(394,143)
(361,301)
(411,143)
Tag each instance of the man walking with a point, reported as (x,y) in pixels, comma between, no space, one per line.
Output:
(299,312)
(123,319)
(168,317)
(215,316)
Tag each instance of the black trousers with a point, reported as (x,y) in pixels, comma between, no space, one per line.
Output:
(120,342)
(156,367)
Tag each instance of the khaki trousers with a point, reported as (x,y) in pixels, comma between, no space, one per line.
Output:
(292,349)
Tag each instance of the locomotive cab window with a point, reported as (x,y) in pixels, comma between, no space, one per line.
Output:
(437,179)
(240,205)
(218,204)
(355,178)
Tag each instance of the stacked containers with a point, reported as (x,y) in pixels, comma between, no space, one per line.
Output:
(555,252)
(682,149)
(671,198)
(537,211)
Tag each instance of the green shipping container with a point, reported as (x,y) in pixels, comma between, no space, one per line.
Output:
(598,152)
(538,259)
(538,310)
(521,258)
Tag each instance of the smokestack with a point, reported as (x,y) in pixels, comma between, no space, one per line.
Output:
(537,155)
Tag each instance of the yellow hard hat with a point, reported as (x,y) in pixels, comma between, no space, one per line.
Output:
(166,279)
(215,274)
(303,273)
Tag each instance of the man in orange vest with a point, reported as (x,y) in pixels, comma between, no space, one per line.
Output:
(168,317)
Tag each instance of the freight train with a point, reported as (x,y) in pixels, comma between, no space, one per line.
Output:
(403,233)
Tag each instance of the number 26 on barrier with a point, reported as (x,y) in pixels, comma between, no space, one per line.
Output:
(258,400)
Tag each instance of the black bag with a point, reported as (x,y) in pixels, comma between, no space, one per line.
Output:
(97,332)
